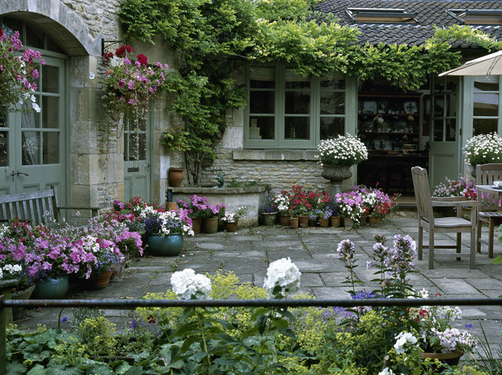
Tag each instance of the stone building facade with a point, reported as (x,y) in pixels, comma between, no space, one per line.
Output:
(91,168)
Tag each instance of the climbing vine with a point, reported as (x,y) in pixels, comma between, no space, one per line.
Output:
(216,38)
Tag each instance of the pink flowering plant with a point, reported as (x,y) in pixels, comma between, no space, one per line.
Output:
(376,202)
(350,205)
(199,207)
(132,212)
(129,86)
(45,252)
(462,187)
(18,73)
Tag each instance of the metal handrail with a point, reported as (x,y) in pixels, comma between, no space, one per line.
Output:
(133,303)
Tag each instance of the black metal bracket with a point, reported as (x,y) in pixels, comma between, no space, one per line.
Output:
(105,44)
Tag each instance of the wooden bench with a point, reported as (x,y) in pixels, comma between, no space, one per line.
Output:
(38,207)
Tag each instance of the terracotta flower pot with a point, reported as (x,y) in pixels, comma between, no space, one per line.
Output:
(293,222)
(284,220)
(348,223)
(304,221)
(231,227)
(374,220)
(175,176)
(269,218)
(211,225)
(324,223)
(335,221)
(100,281)
(196,225)
(450,358)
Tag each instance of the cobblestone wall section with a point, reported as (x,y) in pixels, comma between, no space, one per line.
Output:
(279,175)
(99,15)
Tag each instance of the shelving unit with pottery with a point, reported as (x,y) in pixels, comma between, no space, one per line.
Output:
(389,123)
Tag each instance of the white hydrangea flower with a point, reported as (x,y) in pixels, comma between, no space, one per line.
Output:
(284,274)
(386,371)
(189,285)
(1,274)
(402,340)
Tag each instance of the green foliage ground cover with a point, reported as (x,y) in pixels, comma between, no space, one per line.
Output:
(306,340)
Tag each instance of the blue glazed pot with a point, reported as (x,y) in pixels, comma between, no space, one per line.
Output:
(51,288)
(166,246)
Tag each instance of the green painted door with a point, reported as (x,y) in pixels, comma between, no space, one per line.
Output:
(137,165)
(444,153)
(32,152)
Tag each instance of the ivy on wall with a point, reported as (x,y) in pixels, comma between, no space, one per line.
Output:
(216,38)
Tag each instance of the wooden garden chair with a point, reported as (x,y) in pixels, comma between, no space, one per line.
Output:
(433,225)
(489,209)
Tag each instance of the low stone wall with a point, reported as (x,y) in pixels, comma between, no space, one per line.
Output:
(232,198)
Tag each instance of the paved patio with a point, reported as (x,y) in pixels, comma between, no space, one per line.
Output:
(249,251)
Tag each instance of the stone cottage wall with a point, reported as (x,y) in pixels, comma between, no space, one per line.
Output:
(281,169)
(96,166)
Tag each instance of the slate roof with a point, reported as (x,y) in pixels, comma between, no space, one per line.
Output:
(428,13)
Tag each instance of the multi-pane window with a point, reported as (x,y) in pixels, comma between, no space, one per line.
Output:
(486,104)
(290,111)
(445,111)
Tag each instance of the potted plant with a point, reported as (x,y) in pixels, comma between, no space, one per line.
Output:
(436,336)
(482,149)
(231,218)
(18,73)
(376,203)
(283,201)
(268,209)
(337,155)
(102,256)
(302,203)
(462,187)
(165,231)
(351,207)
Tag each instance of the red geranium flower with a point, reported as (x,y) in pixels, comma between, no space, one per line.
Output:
(142,59)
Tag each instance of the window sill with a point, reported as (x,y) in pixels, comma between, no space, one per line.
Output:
(275,155)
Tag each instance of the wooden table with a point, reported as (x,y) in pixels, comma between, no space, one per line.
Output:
(489,189)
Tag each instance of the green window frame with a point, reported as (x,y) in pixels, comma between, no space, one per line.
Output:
(288,111)
(486,104)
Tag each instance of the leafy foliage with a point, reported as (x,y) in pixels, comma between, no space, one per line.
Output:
(214,39)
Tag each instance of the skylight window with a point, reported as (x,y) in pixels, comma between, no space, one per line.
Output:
(478,16)
(380,15)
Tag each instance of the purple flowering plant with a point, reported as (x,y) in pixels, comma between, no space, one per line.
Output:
(269,204)
(169,222)
(426,328)
(199,207)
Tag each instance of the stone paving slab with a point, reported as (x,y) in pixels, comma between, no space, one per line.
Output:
(248,252)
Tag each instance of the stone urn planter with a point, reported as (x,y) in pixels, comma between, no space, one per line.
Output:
(336,174)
